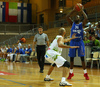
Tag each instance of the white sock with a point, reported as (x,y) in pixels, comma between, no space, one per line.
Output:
(47,76)
(63,79)
(71,70)
(85,71)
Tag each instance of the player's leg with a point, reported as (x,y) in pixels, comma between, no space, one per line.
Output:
(81,54)
(63,82)
(84,68)
(39,56)
(72,54)
(71,74)
(43,50)
(49,72)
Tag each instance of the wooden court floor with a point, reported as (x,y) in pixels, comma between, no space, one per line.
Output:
(27,75)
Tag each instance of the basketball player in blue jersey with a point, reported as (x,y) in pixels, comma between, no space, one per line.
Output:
(77,28)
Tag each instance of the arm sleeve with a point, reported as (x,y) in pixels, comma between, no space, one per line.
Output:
(46,38)
(35,38)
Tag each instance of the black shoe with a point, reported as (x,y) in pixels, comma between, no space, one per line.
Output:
(48,79)
(41,71)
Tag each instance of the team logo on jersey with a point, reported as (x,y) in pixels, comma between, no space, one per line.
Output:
(76,27)
(46,56)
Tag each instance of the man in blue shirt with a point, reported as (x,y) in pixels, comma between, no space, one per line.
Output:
(29,50)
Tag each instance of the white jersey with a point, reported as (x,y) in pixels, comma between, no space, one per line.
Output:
(19,45)
(54,45)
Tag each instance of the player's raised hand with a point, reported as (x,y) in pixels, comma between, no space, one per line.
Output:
(74,36)
(74,47)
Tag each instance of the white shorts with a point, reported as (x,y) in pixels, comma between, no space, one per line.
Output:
(10,55)
(54,57)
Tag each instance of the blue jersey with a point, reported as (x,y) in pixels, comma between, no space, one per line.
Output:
(78,29)
(29,50)
(9,50)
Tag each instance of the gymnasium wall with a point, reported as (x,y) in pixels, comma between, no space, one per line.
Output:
(49,8)
(43,7)
(71,3)
(92,3)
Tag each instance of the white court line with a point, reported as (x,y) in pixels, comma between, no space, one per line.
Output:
(51,82)
(74,73)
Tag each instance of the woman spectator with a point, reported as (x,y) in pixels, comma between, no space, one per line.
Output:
(86,40)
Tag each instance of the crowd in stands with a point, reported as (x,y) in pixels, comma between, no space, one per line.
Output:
(92,34)
(15,54)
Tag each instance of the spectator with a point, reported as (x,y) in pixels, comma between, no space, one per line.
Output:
(88,23)
(86,40)
(98,30)
(25,53)
(96,36)
(91,31)
(94,26)
(19,44)
(13,49)
(9,54)
(95,41)
(16,54)
(25,49)
(29,50)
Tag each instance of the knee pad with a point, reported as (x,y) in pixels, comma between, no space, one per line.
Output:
(53,64)
(71,59)
(66,64)
(82,59)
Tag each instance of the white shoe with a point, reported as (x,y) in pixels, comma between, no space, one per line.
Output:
(65,83)
(48,79)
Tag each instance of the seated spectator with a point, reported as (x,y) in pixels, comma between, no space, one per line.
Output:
(98,30)
(9,53)
(94,26)
(22,40)
(95,41)
(16,57)
(88,23)
(25,49)
(13,52)
(25,54)
(92,32)
(96,36)
(86,40)
(19,44)
(13,49)
(29,50)
(3,53)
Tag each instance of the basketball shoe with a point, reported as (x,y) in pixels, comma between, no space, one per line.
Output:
(86,76)
(70,75)
(48,79)
(65,83)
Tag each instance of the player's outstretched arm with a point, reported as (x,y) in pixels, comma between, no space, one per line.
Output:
(68,16)
(69,39)
(61,45)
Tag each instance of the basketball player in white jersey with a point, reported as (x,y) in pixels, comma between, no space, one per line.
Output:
(53,55)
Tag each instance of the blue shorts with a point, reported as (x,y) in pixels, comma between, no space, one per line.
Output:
(81,49)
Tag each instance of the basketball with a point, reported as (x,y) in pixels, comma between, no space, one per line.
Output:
(78,7)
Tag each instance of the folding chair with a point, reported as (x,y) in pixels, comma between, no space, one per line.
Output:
(95,58)
(33,55)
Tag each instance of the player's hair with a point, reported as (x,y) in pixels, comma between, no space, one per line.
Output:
(40,27)
(61,31)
